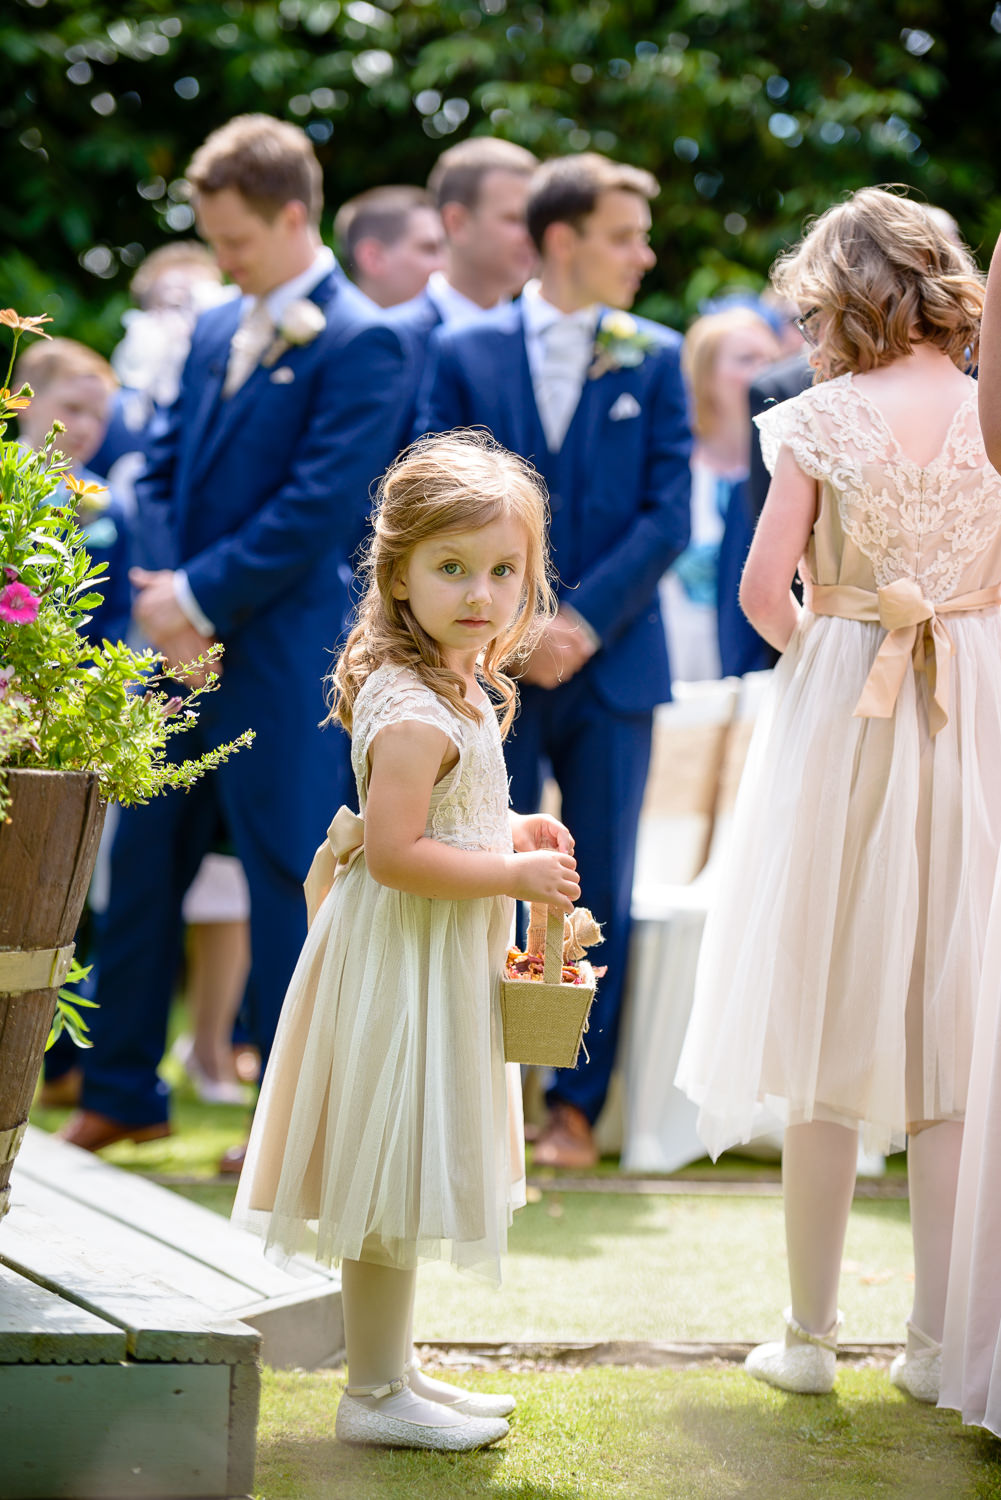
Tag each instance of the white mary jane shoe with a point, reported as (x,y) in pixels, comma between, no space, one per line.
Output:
(358,1423)
(803,1362)
(918,1372)
(472,1403)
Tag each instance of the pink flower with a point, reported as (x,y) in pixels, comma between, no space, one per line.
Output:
(18,604)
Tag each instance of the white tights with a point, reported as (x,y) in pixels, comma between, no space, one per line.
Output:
(818,1180)
(378,1303)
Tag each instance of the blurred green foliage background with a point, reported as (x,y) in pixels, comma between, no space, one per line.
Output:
(752,113)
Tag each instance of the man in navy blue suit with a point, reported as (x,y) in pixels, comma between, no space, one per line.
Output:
(391,240)
(479,188)
(595,399)
(254,500)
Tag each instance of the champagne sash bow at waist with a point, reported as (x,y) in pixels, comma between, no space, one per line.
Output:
(338,852)
(914,633)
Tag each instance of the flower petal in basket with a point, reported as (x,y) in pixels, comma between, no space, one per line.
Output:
(544,1021)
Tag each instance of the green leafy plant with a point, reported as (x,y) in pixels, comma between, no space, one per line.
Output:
(67,1017)
(67,704)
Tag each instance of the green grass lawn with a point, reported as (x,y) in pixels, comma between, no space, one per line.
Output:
(597,1266)
(623,1266)
(702,1434)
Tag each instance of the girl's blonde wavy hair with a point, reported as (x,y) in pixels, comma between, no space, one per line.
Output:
(888,276)
(453,481)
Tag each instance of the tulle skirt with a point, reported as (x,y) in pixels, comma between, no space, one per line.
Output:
(971,1348)
(841,962)
(388,1125)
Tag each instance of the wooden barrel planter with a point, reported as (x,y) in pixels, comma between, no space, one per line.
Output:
(48,846)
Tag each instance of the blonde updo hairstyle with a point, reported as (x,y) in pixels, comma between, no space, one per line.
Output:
(449,482)
(888,276)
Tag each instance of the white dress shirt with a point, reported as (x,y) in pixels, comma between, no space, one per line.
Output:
(276,302)
(455,307)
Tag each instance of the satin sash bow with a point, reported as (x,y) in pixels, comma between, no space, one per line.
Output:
(344,842)
(914,633)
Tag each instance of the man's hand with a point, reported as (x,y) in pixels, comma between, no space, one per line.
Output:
(155,608)
(560,654)
(185,646)
(162,620)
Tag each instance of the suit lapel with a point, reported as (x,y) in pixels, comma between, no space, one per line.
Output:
(217,419)
(214,373)
(530,437)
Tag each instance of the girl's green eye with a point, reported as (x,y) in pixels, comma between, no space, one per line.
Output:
(451,568)
(503,570)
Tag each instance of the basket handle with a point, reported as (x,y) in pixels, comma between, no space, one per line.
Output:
(545,936)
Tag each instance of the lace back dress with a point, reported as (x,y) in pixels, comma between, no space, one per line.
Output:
(387,1123)
(840,964)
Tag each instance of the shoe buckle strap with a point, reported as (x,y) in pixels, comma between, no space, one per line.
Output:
(828,1340)
(923,1338)
(391,1388)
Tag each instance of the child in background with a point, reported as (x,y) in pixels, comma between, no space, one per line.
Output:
(74,385)
(386,1115)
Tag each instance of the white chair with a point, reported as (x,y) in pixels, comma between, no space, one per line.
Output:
(700,743)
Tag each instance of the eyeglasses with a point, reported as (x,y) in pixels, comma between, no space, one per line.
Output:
(803,324)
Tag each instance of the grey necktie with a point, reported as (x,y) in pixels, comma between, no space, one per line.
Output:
(249,342)
(566,347)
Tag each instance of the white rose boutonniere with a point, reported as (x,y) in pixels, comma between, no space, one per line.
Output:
(299,324)
(619,344)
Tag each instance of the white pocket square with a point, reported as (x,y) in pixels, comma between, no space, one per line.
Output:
(626,406)
(282,376)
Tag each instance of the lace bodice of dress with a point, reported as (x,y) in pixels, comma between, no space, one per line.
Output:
(469,806)
(882,516)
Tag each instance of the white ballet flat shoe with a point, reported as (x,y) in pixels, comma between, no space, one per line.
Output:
(918,1372)
(803,1362)
(208,1090)
(471,1404)
(357,1423)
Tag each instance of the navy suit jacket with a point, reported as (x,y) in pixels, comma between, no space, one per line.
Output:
(619,488)
(263,498)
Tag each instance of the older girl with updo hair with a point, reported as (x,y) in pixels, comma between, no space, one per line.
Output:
(838,979)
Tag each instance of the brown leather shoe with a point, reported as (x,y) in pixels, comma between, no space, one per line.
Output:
(62,1092)
(566,1140)
(92,1131)
(231,1163)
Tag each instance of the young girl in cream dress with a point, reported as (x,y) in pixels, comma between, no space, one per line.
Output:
(839,973)
(385,1117)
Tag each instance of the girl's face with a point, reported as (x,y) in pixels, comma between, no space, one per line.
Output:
(813,323)
(464,587)
(742,355)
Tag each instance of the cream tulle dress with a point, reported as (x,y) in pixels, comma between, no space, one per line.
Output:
(841,962)
(388,1123)
(971,1345)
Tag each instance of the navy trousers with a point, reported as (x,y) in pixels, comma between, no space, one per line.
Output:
(156,853)
(600,760)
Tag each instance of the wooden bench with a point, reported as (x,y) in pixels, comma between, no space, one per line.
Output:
(127,1366)
(112,1383)
(296,1308)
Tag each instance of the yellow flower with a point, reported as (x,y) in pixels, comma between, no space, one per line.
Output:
(11,319)
(15,403)
(90,498)
(83,488)
(618,325)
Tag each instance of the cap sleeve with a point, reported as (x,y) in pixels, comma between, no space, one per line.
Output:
(393,695)
(793,424)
